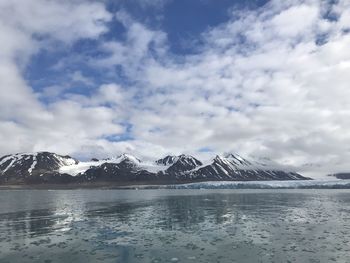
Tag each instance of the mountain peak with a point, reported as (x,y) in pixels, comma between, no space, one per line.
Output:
(182,158)
(237,159)
(127,157)
(167,160)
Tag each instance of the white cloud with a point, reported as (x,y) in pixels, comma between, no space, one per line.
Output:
(25,123)
(285,23)
(135,51)
(78,76)
(260,84)
(62,20)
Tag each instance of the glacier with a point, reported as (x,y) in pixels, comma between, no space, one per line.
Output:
(290,184)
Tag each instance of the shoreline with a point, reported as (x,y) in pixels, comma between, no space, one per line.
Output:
(290,184)
(99,185)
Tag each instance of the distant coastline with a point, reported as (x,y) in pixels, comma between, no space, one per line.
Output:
(233,185)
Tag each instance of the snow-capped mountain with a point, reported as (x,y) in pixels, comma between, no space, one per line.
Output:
(18,167)
(236,168)
(45,167)
(179,165)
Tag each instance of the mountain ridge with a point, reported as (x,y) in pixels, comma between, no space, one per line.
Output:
(47,167)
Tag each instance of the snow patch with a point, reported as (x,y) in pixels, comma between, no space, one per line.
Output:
(153,167)
(64,161)
(35,161)
(80,167)
(8,167)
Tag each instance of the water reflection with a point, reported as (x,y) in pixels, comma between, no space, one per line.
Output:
(165,226)
(28,224)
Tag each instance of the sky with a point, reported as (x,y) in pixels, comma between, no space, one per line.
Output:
(156,77)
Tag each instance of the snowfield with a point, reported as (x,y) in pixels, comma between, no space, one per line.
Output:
(81,167)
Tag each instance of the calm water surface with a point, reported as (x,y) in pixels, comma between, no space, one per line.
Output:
(175,226)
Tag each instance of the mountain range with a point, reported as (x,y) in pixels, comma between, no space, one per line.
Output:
(52,168)
(344,176)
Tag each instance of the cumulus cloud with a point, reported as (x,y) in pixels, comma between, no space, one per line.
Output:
(263,84)
(269,82)
(26,123)
(79,77)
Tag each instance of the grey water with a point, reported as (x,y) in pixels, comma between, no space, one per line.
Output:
(175,226)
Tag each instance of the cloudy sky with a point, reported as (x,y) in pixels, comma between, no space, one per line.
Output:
(152,77)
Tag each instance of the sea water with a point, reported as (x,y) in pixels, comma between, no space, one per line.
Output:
(175,225)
